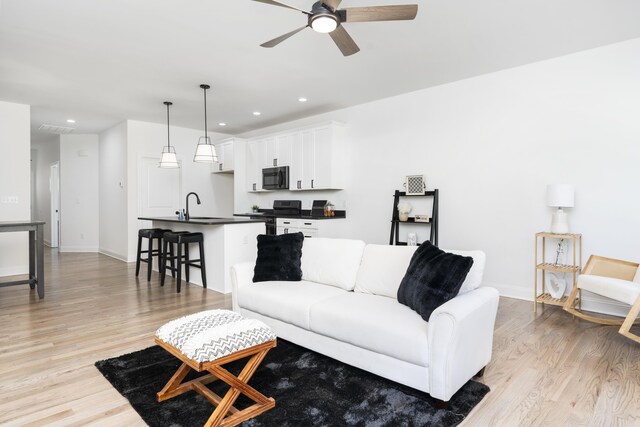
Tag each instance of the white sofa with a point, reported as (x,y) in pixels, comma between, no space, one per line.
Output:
(345,307)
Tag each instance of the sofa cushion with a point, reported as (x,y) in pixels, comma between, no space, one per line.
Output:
(373,322)
(382,269)
(474,277)
(286,301)
(279,257)
(333,262)
(433,278)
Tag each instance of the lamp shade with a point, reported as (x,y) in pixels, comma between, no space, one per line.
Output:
(169,159)
(205,151)
(560,195)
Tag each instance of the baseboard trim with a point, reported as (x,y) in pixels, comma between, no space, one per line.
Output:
(590,302)
(14,270)
(112,254)
(78,249)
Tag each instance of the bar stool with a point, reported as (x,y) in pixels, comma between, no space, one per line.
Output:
(151,234)
(181,257)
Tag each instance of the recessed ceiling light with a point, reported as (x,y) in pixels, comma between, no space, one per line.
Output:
(70,121)
(302,99)
(222,124)
(256,113)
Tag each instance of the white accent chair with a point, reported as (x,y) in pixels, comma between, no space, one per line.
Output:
(614,279)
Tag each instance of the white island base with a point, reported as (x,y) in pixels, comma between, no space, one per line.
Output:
(224,245)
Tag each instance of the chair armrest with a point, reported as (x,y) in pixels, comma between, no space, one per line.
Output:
(241,275)
(460,340)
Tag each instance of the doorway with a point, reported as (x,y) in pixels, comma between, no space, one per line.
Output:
(54,188)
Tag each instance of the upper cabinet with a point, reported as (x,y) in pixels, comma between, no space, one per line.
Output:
(256,158)
(315,156)
(226,156)
(319,159)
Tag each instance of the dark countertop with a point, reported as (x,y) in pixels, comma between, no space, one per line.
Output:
(200,220)
(306,214)
(20,223)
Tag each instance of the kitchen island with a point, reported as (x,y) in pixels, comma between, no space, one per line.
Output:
(227,241)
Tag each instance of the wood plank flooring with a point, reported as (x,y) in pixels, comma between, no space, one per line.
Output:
(551,370)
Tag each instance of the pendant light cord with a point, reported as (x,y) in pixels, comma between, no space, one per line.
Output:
(205,114)
(168,133)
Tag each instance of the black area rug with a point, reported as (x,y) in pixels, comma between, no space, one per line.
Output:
(310,390)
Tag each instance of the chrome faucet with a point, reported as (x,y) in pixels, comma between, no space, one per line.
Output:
(186,215)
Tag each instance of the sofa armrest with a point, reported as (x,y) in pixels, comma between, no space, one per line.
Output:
(241,275)
(460,340)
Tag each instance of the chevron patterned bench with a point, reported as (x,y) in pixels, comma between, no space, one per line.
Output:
(206,341)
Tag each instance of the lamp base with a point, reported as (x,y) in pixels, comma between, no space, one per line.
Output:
(560,222)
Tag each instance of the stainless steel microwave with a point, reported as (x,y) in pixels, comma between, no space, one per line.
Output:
(275,178)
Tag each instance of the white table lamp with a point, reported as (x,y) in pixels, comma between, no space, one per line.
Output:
(560,196)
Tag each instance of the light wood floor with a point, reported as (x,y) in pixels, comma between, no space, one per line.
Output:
(550,371)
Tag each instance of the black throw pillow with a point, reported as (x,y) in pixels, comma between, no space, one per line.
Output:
(433,278)
(279,258)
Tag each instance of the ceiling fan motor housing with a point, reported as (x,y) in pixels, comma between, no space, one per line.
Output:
(322,19)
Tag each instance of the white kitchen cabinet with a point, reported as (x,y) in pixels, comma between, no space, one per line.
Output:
(255,158)
(226,158)
(315,156)
(309,228)
(279,149)
(320,159)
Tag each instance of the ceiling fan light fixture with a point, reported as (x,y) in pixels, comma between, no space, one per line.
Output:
(323,22)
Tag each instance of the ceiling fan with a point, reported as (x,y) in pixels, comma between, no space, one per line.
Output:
(325,17)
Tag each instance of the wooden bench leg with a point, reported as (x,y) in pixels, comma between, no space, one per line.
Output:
(225,413)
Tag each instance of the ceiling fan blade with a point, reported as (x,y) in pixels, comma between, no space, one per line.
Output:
(333,4)
(278,40)
(344,41)
(276,3)
(381,13)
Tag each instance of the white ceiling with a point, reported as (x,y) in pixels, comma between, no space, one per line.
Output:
(104,61)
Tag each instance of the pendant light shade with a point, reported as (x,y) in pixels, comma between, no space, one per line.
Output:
(205,151)
(168,160)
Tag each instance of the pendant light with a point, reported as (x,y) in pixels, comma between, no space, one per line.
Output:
(205,151)
(168,159)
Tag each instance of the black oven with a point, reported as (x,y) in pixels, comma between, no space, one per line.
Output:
(275,178)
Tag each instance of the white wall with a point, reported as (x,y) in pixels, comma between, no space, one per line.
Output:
(79,211)
(15,191)
(146,140)
(113,192)
(47,152)
(491,144)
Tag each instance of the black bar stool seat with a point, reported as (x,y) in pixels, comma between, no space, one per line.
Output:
(182,239)
(151,234)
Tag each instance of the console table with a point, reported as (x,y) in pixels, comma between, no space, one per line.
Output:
(36,252)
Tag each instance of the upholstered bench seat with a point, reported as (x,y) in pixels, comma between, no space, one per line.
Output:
(210,335)
(207,340)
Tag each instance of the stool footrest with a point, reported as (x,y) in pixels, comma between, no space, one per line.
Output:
(225,413)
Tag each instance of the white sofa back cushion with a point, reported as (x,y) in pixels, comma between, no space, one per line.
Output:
(382,269)
(333,262)
(474,277)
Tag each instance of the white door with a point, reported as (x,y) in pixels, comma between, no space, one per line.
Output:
(228,156)
(54,189)
(159,190)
